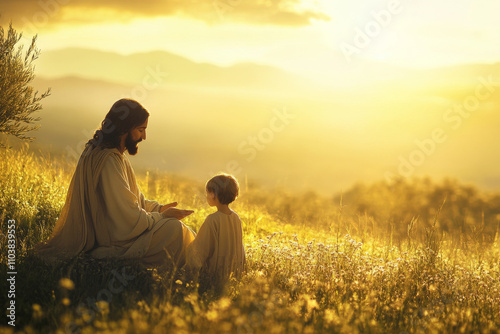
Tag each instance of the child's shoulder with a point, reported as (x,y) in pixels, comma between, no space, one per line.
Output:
(235,214)
(217,215)
(213,216)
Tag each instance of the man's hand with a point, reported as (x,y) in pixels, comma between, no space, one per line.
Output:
(166,206)
(172,212)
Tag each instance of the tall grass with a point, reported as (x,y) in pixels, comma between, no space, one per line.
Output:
(378,261)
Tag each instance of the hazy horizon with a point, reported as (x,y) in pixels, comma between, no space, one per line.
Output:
(309,95)
(333,137)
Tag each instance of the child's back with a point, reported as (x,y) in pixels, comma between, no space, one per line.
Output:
(218,250)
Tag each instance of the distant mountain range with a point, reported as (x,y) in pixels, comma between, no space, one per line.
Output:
(165,69)
(203,116)
(172,70)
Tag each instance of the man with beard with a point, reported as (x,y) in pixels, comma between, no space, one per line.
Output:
(105,213)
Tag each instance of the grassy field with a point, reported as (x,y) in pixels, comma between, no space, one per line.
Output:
(410,257)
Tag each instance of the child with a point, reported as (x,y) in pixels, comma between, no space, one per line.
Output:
(217,251)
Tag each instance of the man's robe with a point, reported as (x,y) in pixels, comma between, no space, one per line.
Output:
(106,215)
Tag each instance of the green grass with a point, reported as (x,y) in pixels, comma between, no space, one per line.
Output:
(385,259)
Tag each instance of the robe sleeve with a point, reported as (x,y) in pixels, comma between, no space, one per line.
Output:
(149,205)
(125,217)
(203,246)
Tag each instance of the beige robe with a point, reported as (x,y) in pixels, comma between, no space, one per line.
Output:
(106,215)
(218,250)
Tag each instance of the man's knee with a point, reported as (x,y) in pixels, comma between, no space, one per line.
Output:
(175,225)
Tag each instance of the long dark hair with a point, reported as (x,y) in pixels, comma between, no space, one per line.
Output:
(124,115)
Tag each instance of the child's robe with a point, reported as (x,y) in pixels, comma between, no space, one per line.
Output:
(218,250)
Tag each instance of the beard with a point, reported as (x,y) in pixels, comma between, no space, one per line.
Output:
(131,145)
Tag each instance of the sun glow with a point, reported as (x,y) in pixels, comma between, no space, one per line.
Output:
(368,83)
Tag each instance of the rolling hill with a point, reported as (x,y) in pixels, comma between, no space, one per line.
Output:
(165,69)
(205,118)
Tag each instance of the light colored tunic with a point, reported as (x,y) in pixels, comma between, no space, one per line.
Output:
(218,250)
(106,215)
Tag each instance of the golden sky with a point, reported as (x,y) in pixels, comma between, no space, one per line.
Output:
(373,113)
(304,36)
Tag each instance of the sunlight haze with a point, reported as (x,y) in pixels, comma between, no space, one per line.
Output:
(373,90)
